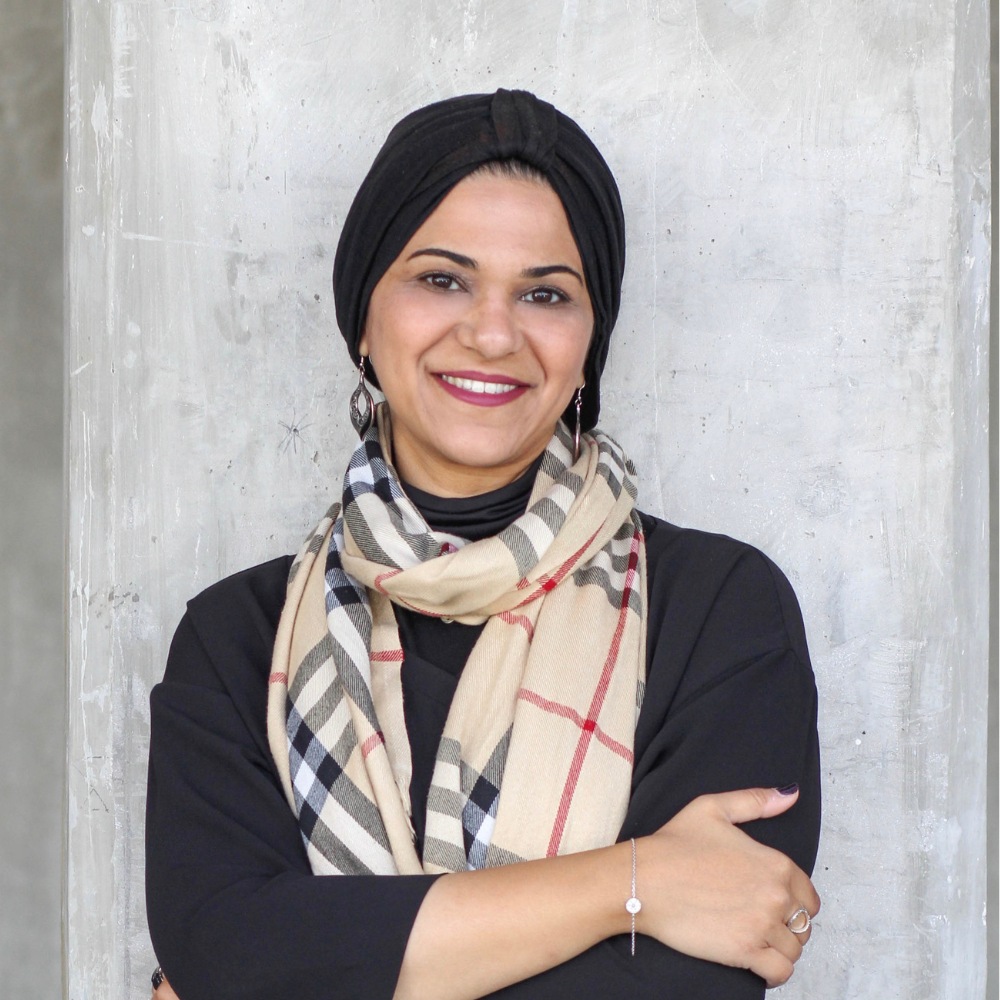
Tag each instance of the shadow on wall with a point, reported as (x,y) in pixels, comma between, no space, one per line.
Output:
(32,710)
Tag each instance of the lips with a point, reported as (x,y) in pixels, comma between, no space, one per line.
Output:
(481,389)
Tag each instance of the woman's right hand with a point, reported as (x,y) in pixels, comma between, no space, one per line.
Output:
(711,891)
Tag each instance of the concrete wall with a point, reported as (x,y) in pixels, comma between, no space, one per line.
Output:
(32,673)
(801,361)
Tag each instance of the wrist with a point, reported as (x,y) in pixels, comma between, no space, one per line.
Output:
(618,879)
(633,905)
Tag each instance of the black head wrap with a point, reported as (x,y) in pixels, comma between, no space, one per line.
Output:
(430,150)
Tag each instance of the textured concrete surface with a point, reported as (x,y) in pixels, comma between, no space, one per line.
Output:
(801,361)
(32,671)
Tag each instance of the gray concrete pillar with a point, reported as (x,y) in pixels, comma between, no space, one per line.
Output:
(801,362)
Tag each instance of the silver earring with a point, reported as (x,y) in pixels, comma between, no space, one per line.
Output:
(362,419)
(576,432)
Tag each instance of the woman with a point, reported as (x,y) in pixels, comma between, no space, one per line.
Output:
(546,714)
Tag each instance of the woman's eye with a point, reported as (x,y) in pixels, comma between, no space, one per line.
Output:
(544,296)
(444,282)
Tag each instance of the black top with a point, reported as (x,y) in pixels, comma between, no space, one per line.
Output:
(234,911)
(478,516)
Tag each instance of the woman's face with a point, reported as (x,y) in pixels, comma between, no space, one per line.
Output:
(478,333)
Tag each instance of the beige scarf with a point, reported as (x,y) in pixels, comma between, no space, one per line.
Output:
(536,755)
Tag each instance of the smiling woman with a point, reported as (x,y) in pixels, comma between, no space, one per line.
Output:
(479,332)
(517,721)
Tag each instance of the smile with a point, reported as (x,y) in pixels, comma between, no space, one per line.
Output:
(480,391)
(474,385)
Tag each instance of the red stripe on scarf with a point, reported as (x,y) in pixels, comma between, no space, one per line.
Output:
(511,619)
(587,725)
(388,656)
(278,679)
(553,581)
(369,744)
(595,705)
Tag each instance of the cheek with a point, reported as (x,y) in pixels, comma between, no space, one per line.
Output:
(379,309)
(577,356)
(376,341)
(561,351)
(400,324)
(585,354)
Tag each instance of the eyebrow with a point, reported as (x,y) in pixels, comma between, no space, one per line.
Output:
(529,272)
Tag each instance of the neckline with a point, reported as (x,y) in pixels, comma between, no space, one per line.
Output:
(479,516)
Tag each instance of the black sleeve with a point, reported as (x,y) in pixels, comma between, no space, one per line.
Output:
(233,909)
(730,703)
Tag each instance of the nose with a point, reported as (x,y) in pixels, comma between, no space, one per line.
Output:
(491,328)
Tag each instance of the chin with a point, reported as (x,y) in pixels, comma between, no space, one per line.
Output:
(487,456)
(488,449)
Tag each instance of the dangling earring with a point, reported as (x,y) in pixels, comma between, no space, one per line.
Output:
(362,419)
(576,432)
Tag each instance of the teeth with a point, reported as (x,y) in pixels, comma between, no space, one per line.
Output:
(474,385)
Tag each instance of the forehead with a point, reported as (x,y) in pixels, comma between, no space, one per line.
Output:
(500,214)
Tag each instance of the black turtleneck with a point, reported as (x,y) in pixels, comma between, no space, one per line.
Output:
(435,651)
(480,516)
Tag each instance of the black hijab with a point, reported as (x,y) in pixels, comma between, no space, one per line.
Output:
(430,150)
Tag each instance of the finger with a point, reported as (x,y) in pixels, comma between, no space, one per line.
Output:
(773,967)
(812,901)
(804,892)
(790,945)
(748,804)
(796,921)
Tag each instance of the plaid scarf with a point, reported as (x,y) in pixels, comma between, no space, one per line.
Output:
(536,755)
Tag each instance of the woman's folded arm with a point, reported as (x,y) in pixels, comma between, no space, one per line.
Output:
(703,881)
(235,911)
(233,908)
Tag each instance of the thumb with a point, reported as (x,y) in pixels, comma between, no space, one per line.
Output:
(749,804)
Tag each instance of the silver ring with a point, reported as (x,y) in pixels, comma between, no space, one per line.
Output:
(800,921)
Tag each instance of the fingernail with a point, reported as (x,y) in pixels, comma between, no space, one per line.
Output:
(787,789)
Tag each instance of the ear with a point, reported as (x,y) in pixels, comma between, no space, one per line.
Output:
(363,343)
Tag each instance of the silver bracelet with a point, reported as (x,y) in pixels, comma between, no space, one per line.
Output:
(632,904)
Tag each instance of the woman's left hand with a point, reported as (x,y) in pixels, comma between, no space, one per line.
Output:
(716,893)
